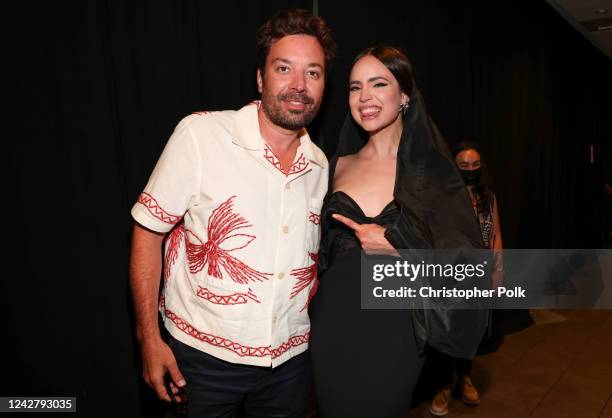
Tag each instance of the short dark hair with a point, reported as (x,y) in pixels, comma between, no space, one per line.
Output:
(294,22)
(395,60)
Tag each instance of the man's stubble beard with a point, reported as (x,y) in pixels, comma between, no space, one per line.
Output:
(287,119)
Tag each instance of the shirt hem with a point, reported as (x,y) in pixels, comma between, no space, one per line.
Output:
(229,355)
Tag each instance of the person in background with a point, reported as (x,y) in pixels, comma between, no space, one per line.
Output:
(455,372)
(480,189)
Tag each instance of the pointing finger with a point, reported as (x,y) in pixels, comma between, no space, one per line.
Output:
(346,221)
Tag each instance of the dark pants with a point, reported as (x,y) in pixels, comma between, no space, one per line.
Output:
(444,366)
(217,388)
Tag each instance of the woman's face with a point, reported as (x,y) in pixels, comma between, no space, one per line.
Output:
(468,160)
(374,94)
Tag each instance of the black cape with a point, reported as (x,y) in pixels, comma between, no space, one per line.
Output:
(436,213)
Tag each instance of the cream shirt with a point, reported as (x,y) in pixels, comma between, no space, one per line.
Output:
(240,258)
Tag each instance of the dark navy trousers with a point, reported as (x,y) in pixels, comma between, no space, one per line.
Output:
(217,388)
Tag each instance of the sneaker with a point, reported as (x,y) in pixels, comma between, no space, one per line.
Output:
(469,394)
(439,403)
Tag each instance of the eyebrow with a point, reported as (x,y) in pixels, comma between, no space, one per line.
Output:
(286,61)
(370,80)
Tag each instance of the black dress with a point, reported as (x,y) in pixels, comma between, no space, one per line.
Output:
(365,362)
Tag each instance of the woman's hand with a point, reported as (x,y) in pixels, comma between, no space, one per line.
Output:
(371,236)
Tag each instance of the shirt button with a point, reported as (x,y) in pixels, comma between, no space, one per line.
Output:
(288,186)
(281,275)
(274,319)
(285,229)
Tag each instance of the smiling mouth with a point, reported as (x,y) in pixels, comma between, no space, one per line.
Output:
(369,112)
(295,107)
(296,101)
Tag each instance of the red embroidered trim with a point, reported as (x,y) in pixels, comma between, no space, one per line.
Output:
(201,112)
(233,299)
(314,218)
(305,276)
(221,224)
(269,155)
(241,350)
(294,341)
(173,240)
(298,166)
(256,103)
(153,207)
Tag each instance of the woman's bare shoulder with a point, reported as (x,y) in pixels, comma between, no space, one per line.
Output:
(345,161)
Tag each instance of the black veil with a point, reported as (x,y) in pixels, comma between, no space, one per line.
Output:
(436,212)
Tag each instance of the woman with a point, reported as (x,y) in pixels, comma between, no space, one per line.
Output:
(385,193)
(481,193)
(455,372)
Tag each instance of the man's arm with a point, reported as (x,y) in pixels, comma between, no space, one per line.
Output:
(145,271)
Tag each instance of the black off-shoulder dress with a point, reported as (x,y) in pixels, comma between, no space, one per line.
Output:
(365,362)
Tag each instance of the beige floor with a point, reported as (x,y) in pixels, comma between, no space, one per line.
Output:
(559,368)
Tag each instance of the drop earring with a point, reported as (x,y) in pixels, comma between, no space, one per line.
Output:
(404,108)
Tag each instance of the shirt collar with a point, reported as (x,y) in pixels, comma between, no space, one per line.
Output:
(246,134)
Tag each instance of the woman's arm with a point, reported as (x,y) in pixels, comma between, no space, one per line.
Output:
(497,247)
(497,235)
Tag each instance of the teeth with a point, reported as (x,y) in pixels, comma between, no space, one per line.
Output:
(370,111)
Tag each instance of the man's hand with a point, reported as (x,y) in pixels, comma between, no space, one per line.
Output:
(371,236)
(145,271)
(157,359)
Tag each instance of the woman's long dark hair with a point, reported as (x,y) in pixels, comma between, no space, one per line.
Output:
(435,210)
(483,190)
(396,62)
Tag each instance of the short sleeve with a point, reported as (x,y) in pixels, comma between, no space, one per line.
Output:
(173,186)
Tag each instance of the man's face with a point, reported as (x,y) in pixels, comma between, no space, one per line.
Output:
(292,85)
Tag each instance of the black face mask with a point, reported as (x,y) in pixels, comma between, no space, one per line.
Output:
(471,177)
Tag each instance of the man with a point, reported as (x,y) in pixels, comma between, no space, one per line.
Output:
(239,195)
